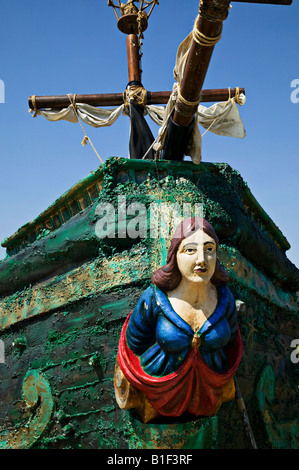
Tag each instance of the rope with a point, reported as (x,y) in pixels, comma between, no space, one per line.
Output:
(135,93)
(237,96)
(140,17)
(72,99)
(211,125)
(202,39)
(149,149)
(183,100)
(33,99)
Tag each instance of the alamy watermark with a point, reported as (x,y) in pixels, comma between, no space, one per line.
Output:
(295,92)
(295,353)
(2,352)
(135,220)
(2,92)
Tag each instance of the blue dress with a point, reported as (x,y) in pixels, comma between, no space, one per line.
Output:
(162,339)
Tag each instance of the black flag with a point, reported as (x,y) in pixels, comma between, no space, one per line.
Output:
(141,137)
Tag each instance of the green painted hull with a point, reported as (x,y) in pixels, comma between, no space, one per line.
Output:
(65,294)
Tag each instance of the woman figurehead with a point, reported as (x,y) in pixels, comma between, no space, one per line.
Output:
(169,276)
(167,349)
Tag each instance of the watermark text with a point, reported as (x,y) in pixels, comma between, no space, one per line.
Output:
(295,92)
(295,353)
(2,91)
(135,220)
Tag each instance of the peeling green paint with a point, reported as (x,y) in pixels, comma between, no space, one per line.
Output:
(83,288)
(282,435)
(237,218)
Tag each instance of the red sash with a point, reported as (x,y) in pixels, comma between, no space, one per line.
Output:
(193,388)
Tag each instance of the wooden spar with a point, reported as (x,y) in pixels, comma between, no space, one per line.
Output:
(134,72)
(208,23)
(116,99)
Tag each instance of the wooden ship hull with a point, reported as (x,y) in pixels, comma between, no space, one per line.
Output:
(65,293)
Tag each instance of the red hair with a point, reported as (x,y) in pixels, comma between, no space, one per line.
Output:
(168,276)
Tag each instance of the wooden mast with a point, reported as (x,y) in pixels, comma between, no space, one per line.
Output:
(132,23)
(134,71)
(209,22)
(207,32)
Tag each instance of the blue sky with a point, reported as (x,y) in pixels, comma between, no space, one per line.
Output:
(73,46)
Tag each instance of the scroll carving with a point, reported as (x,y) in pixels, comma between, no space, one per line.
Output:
(39,401)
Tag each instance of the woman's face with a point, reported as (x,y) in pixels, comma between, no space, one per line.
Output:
(196,257)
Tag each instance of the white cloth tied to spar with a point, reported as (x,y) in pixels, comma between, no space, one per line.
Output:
(220,118)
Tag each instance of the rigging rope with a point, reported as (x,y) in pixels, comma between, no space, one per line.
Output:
(135,93)
(72,99)
(33,99)
(183,100)
(202,39)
